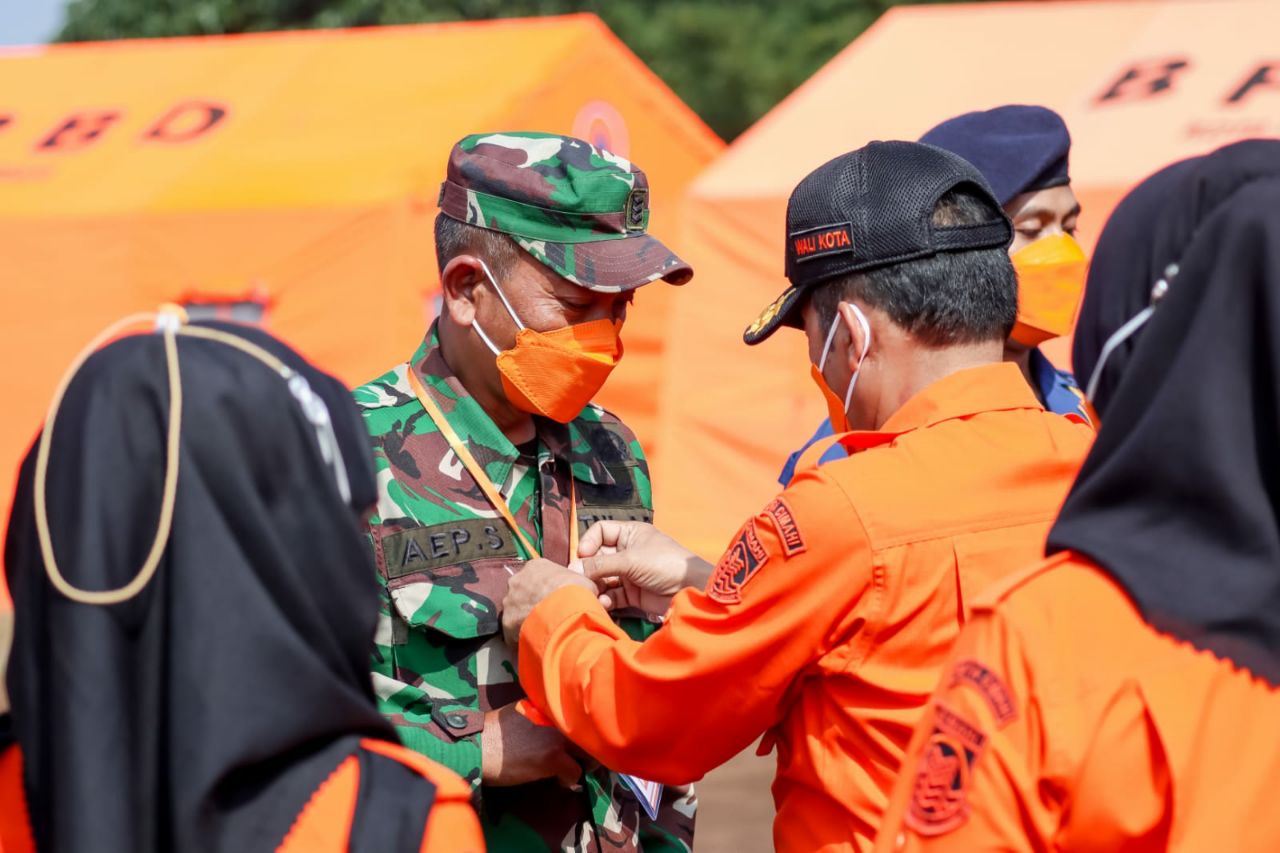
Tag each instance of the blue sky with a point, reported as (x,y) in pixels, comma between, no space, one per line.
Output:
(29,21)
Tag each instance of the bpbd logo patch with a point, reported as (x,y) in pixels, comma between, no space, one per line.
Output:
(821,241)
(939,798)
(738,565)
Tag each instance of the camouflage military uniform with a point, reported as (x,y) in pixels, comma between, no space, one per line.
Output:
(444,557)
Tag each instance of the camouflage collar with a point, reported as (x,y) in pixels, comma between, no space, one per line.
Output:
(491,448)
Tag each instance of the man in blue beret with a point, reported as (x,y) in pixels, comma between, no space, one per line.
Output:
(1023,153)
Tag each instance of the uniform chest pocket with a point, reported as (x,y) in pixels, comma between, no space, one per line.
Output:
(451,577)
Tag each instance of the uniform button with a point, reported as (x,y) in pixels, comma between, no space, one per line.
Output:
(456,721)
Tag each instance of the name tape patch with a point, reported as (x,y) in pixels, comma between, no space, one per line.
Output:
(589,514)
(785,522)
(423,549)
(989,685)
(824,240)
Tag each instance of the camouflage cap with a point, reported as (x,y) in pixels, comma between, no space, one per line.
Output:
(581,210)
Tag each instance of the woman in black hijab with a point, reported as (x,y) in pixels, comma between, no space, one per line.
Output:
(204,711)
(1123,694)
(1143,238)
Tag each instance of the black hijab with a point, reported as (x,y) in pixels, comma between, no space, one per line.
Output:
(202,714)
(1178,498)
(1147,232)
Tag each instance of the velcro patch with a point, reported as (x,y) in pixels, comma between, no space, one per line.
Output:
(422,549)
(785,521)
(939,798)
(589,514)
(738,565)
(824,240)
(988,684)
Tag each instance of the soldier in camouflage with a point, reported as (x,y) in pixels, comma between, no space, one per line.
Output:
(540,240)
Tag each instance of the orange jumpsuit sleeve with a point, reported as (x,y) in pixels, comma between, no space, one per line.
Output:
(1014,754)
(713,677)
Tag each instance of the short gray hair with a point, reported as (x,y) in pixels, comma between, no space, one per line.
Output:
(455,238)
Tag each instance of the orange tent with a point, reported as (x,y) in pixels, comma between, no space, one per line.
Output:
(295,171)
(1139,83)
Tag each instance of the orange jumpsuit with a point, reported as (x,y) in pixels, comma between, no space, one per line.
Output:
(1065,722)
(830,616)
(323,826)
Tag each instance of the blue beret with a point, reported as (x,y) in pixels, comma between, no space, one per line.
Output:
(1017,148)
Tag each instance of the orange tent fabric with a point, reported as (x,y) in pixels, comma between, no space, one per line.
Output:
(300,169)
(1139,83)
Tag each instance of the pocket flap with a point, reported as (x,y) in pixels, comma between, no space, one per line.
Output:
(462,600)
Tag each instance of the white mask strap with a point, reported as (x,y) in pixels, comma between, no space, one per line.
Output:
(831,336)
(475,324)
(866,345)
(1126,331)
(501,296)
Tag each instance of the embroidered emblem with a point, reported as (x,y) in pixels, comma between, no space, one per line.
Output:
(770,311)
(637,205)
(939,798)
(738,565)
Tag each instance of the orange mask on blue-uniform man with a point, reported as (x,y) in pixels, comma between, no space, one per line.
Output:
(1051,274)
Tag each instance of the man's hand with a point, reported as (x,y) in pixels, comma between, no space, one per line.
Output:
(636,565)
(515,751)
(537,580)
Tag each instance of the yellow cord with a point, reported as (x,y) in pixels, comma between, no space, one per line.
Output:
(144,575)
(239,343)
(171,322)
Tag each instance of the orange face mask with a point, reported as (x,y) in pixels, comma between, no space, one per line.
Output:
(837,408)
(555,374)
(1051,273)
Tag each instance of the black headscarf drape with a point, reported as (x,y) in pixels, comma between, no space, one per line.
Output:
(1178,498)
(1146,232)
(202,714)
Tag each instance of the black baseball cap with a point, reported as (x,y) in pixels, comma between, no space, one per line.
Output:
(871,208)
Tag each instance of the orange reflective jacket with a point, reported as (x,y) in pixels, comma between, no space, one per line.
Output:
(829,617)
(325,823)
(1065,722)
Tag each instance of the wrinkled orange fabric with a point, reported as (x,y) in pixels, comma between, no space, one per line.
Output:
(1115,736)
(829,617)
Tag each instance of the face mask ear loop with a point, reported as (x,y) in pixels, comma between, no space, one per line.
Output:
(501,295)
(1126,331)
(479,331)
(831,336)
(866,345)
(167,324)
